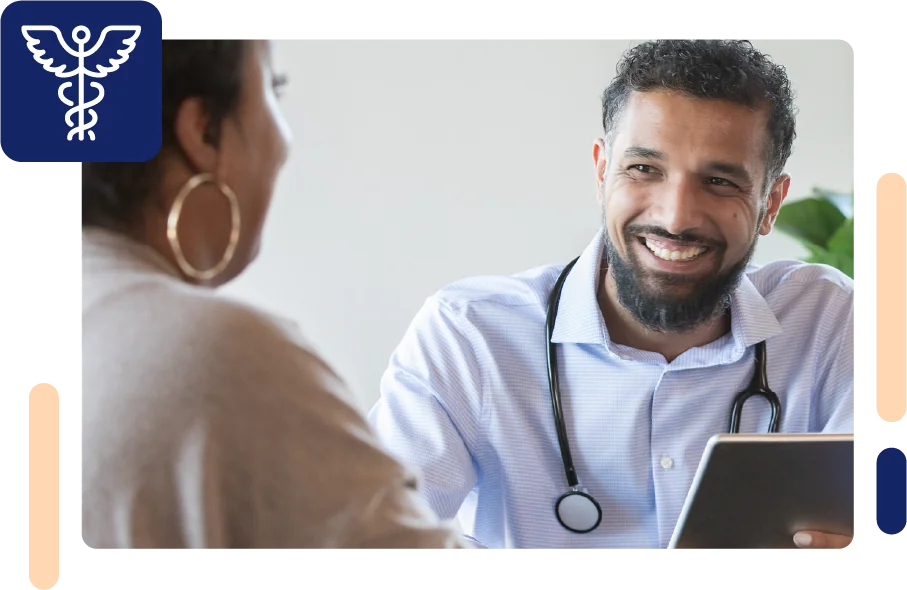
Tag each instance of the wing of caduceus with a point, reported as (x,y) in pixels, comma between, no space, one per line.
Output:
(49,49)
(111,50)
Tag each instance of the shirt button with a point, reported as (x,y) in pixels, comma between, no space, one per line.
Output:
(667,462)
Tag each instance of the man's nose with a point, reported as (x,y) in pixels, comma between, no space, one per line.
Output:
(679,207)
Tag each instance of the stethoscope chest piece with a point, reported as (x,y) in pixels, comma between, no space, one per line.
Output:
(578,511)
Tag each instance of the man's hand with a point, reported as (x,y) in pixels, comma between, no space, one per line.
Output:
(817,540)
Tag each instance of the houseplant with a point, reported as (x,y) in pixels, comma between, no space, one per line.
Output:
(823,223)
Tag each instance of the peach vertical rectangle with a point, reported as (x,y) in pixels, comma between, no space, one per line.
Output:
(43,486)
(891,298)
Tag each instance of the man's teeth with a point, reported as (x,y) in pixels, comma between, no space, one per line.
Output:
(682,254)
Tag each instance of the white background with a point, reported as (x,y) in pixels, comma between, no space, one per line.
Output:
(41,323)
(417,163)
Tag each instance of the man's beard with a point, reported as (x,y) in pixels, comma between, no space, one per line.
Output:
(655,308)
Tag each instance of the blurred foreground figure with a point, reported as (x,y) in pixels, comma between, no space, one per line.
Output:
(207,423)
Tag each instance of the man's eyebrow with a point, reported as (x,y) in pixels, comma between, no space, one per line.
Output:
(643,152)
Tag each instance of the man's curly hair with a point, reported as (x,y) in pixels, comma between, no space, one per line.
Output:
(728,70)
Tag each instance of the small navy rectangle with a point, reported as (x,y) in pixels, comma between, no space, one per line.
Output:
(889,491)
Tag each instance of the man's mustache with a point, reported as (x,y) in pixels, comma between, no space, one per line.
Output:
(687,237)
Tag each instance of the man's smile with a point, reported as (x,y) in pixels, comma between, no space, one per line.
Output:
(674,256)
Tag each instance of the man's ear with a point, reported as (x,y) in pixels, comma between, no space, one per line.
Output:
(190,125)
(776,197)
(600,164)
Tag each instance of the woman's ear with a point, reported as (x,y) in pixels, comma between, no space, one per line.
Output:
(190,125)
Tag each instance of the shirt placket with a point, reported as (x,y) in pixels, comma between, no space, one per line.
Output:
(666,456)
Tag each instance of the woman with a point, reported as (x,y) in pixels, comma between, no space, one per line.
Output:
(207,423)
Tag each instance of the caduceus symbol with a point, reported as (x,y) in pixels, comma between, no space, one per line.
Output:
(87,62)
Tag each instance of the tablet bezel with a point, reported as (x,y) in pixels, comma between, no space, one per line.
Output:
(682,539)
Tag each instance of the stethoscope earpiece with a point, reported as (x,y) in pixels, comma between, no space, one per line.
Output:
(578,511)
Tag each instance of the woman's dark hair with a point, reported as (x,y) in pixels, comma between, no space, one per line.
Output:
(113,193)
(729,70)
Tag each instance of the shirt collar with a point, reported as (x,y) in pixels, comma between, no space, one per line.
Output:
(579,319)
(752,320)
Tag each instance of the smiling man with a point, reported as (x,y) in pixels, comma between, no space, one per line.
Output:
(655,329)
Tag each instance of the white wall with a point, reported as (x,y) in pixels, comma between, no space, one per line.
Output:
(418,163)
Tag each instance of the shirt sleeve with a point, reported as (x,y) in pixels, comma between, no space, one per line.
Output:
(430,406)
(834,390)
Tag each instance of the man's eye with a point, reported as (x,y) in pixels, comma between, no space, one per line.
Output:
(720,181)
(641,168)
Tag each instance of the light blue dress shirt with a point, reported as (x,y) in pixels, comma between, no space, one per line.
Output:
(465,399)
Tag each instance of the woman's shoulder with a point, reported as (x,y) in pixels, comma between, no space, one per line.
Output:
(123,278)
(194,332)
(228,330)
(219,314)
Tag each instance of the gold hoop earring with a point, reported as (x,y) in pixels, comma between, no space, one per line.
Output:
(174,217)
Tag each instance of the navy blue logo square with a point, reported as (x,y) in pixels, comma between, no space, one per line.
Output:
(80,81)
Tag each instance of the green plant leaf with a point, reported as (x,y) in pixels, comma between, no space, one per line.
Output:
(812,220)
(839,260)
(844,202)
(842,240)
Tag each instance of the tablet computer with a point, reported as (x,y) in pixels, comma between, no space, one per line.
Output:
(757,490)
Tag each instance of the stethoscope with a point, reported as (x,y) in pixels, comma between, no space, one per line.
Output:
(577,510)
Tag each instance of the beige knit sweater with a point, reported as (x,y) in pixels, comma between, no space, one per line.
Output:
(207,423)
